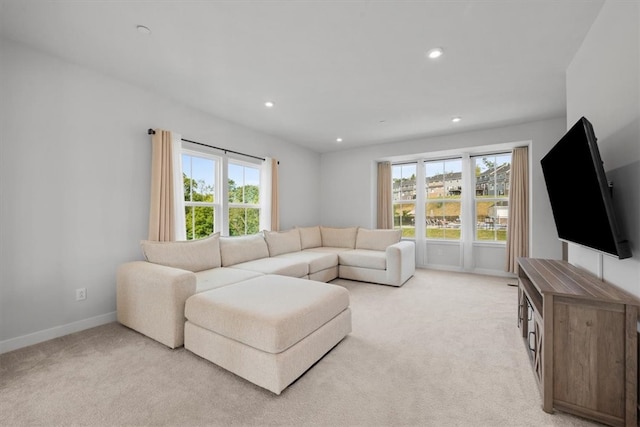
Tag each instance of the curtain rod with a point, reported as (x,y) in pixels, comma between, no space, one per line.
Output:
(153,132)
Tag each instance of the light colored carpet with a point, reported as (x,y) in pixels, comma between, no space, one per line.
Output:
(443,350)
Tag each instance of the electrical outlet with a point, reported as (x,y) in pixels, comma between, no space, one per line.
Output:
(81,294)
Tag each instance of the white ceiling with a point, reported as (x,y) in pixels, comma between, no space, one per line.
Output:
(354,69)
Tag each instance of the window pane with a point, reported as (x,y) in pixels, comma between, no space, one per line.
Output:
(253,220)
(252,185)
(198,174)
(244,184)
(503,174)
(493,175)
(453,178)
(199,221)
(244,221)
(404,182)
(491,220)
(443,179)
(251,194)
(236,179)
(485,179)
(443,220)
(404,218)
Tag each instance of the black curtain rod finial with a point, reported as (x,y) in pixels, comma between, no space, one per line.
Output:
(151,132)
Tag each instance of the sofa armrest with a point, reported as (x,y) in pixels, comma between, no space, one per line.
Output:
(150,298)
(401,262)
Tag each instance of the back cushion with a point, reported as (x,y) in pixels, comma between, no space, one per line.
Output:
(235,250)
(310,237)
(283,242)
(339,237)
(377,240)
(192,255)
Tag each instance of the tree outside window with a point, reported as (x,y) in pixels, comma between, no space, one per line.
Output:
(244,199)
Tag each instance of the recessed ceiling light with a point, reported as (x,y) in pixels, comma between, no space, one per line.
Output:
(269,104)
(143,30)
(434,53)
(456,119)
(338,139)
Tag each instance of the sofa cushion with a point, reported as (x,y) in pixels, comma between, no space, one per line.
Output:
(276,265)
(377,240)
(255,313)
(223,276)
(317,261)
(339,237)
(282,242)
(327,250)
(192,255)
(310,237)
(376,260)
(234,250)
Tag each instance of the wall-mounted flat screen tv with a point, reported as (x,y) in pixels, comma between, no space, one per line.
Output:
(580,195)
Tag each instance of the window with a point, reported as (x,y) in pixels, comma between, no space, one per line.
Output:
(492,175)
(244,198)
(443,189)
(201,204)
(404,198)
(206,206)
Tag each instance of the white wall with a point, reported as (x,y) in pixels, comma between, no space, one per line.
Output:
(603,85)
(74,186)
(348,190)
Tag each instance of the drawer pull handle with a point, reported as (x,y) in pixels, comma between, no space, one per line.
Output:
(533,349)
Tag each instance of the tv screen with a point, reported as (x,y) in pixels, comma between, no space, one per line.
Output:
(580,194)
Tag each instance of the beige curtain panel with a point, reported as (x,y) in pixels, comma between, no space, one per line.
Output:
(275,206)
(518,223)
(161,210)
(385,205)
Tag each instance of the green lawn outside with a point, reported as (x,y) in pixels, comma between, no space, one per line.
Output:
(443,233)
(409,232)
(454,234)
(500,235)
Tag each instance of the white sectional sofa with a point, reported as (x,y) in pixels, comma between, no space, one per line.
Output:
(151,294)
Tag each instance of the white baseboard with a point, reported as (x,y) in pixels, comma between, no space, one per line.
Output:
(59,331)
(480,271)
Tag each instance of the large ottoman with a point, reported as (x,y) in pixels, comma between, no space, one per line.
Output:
(268,330)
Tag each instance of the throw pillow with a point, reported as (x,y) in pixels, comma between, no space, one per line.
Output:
(282,242)
(238,249)
(192,255)
(310,237)
(339,237)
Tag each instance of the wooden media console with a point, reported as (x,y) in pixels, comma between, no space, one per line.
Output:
(581,336)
